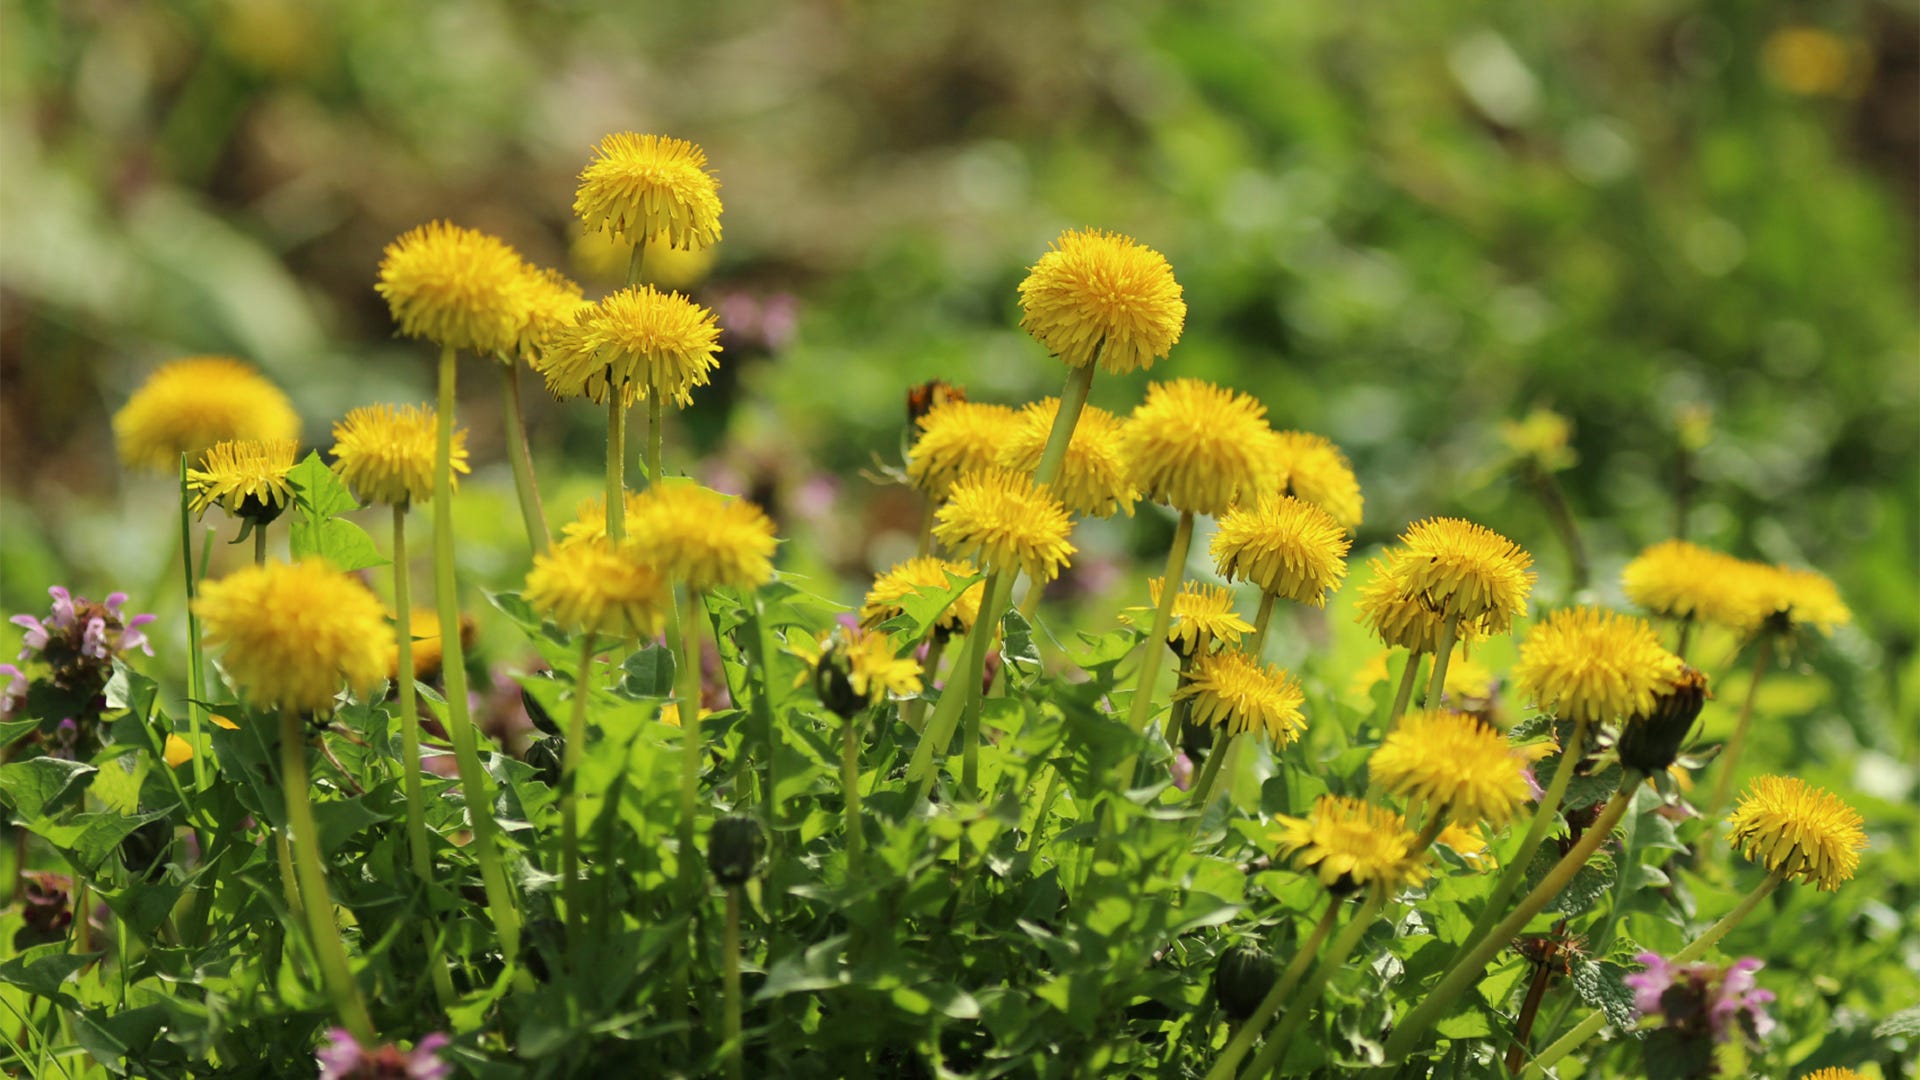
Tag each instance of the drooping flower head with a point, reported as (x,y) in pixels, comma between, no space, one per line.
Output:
(702,538)
(342,1057)
(639,187)
(1391,607)
(1458,568)
(1650,741)
(189,405)
(956,438)
(1199,448)
(1202,615)
(639,340)
(1454,764)
(1288,547)
(1233,690)
(455,287)
(590,586)
(1001,519)
(924,575)
(856,669)
(1102,294)
(293,633)
(248,479)
(1679,580)
(1313,469)
(386,454)
(1592,665)
(1093,477)
(1350,844)
(1804,832)
(1705,1001)
(545,301)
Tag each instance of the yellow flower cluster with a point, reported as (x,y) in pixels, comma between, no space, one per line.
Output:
(1093,479)
(1680,580)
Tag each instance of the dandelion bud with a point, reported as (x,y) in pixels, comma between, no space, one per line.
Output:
(1242,979)
(544,755)
(833,681)
(537,712)
(144,851)
(733,849)
(1649,741)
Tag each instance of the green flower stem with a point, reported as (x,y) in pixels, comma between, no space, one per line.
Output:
(1210,774)
(259,545)
(616,466)
(687,697)
(1468,968)
(1302,1007)
(963,682)
(1723,784)
(453,667)
(1596,1020)
(196,690)
(1073,399)
(926,527)
(1686,632)
(1261,621)
(656,435)
(1270,1006)
(1437,682)
(929,671)
(520,456)
(570,801)
(303,836)
(1543,818)
(970,744)
(763,713)
(419,854)
(1157,639)
(730,953)
(1404,696)
(1047,795)
(850,791)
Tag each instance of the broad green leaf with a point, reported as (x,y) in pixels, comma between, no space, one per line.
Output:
(344,545)
(42,969)
(39,786)
(318,491)
(649,672)
(1599,984)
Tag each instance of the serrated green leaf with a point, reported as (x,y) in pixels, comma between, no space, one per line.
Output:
(42,969)
(1598,982)
(1904,1022)
(318,491)
(130,690)
(40,786)
(344,545)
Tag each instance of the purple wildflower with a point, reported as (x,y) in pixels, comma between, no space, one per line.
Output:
(14,696)
(1702,999)
(342,1057)
(1182,771)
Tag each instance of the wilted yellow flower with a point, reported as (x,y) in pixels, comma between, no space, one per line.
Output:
(1001,519)
(1401,617)
(1102,294)
(1199,448)
(292,633)
(1314,469)
(1792,598)
(589,586)
(702,538)
(957,437)
(189,405)
(1542,438)
(177,751)
(247,478)
(1454,764)
(455,287)
(1459,568)
(1804,832)
(386,454)
(546,301)
(924,575)
(1288,547)
(1680,580)
(1201,613)
(1093,477)
(1351,844)
(1233,690)
(1583,663)
(639,187)
(640,340)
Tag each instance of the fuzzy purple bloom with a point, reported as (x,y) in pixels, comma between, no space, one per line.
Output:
(1702,998)
(1182,771)
(342,1057)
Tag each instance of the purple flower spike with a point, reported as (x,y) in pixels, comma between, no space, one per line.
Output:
(1702,1000)
(342,1057)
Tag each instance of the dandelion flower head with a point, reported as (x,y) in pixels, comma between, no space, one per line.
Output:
(1803,832)
(1001,519)
(1796,598)
(1231,690)
(591,586)
(922,576)
(246,478)
(1460,568)
(641,187)
(292,633)
(456,287)
(386,454)
(188,405)
(1401,617)
(875,671)
(1349,844)
(1202,614)
(546,301)
(591,519)
(1093,476)
(1314,469)
(702,538)
(1591,665)
(1100,294)
(1289,547)
(1679,580)
(1450,760)
(1541,437)
(640,340)
(956,438)
(1199,448)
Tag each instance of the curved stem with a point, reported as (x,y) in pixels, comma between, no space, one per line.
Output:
(303,837)
(1162,619)
(569,800)
(1342,947)
(196,692)
(520,456)
(1543,818)
(1437,684)
(419,854)
(850,792)
(1404,696)
(1210,774)
(1269,1007)
(1723,784)
(1261,621)
(616,466)
(1073,399)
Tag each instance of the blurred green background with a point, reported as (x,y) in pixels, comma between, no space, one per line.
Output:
(1398,227)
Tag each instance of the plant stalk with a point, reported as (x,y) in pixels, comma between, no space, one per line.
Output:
(1073,400)
(687,695)
(520,456)
(616,466)
(656,436)
(730,952)
(570,802)
(1210,774)
(1543,818)
(850,792)
(196,690)
(303,836)
(1723,784)
(963,682)
(419,854)
(1142,706)
(1437,682)
(1261,621)
(1403,697)
(1275,1049)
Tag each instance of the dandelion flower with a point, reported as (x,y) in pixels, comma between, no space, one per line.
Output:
(1201,613)
(640,340)
(702,538)
(248,479)
(1454,764)
(1233,690)
(387,454)
(1464,569)
(591,519)
(1093,477)
(1587,664)
(546,301)
(176,751)
(1801,831)
(292,633)
(867,661)
(1400,617)
(1289,547)
(1542,438)
(1000,518)
(1101,294)
(1199,448)
(1349,844)
(455,287)
(423,632)
(639,187)
(1679,580)
(189,405)
(957,438)
(1468,843)
(590,586)
(1795,598)
(924,575)
(1314,469)
(1833,1072)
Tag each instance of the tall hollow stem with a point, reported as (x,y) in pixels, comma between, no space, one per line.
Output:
(656,435)
(1073,400)
(575,890)
(196,691)
(520,456)
(687,697)
(963,682)
(1262,620)
(1162,620)
(1723,784)
(850,791)
(1404,696)
(304,839)
(616,466)
(1210,773)
(1543,818)
(1437,682)
(730,975)
(419,854)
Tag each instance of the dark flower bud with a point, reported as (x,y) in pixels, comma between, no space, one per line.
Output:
(144,852)
(733,849)
(833,681)
(545,756)
(537,712)
(258,512)
(1650,742)
(46,909)
(1242,979)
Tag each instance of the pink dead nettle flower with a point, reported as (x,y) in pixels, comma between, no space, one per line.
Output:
(342,1057)
(14,696)
(104,630)
(1182,771)
(1703,999)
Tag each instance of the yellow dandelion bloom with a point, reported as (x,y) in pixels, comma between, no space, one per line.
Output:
(640,340)
(1583,663)
(1199,448)
(177,752)
(1201,614)
(590,520)
(591,586)
(386,454)
(1804,832)
(292,633)
(1467,679)
(642,187)
(957,437)
(1400,617)
(1468,843)
(702,538)
(875,672)
(926,574)
(1102,294)
(1680,580)
(423,631)
(1093,477)
(1795,598)
(189,405)
(602,257)
(545,301)
(1233,690)
(1349,844)
(1001,519)
(1288,547)
(1452,763)
(247,478)
(455,287)
(1314,469)
(1542,437)
(1459,568)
